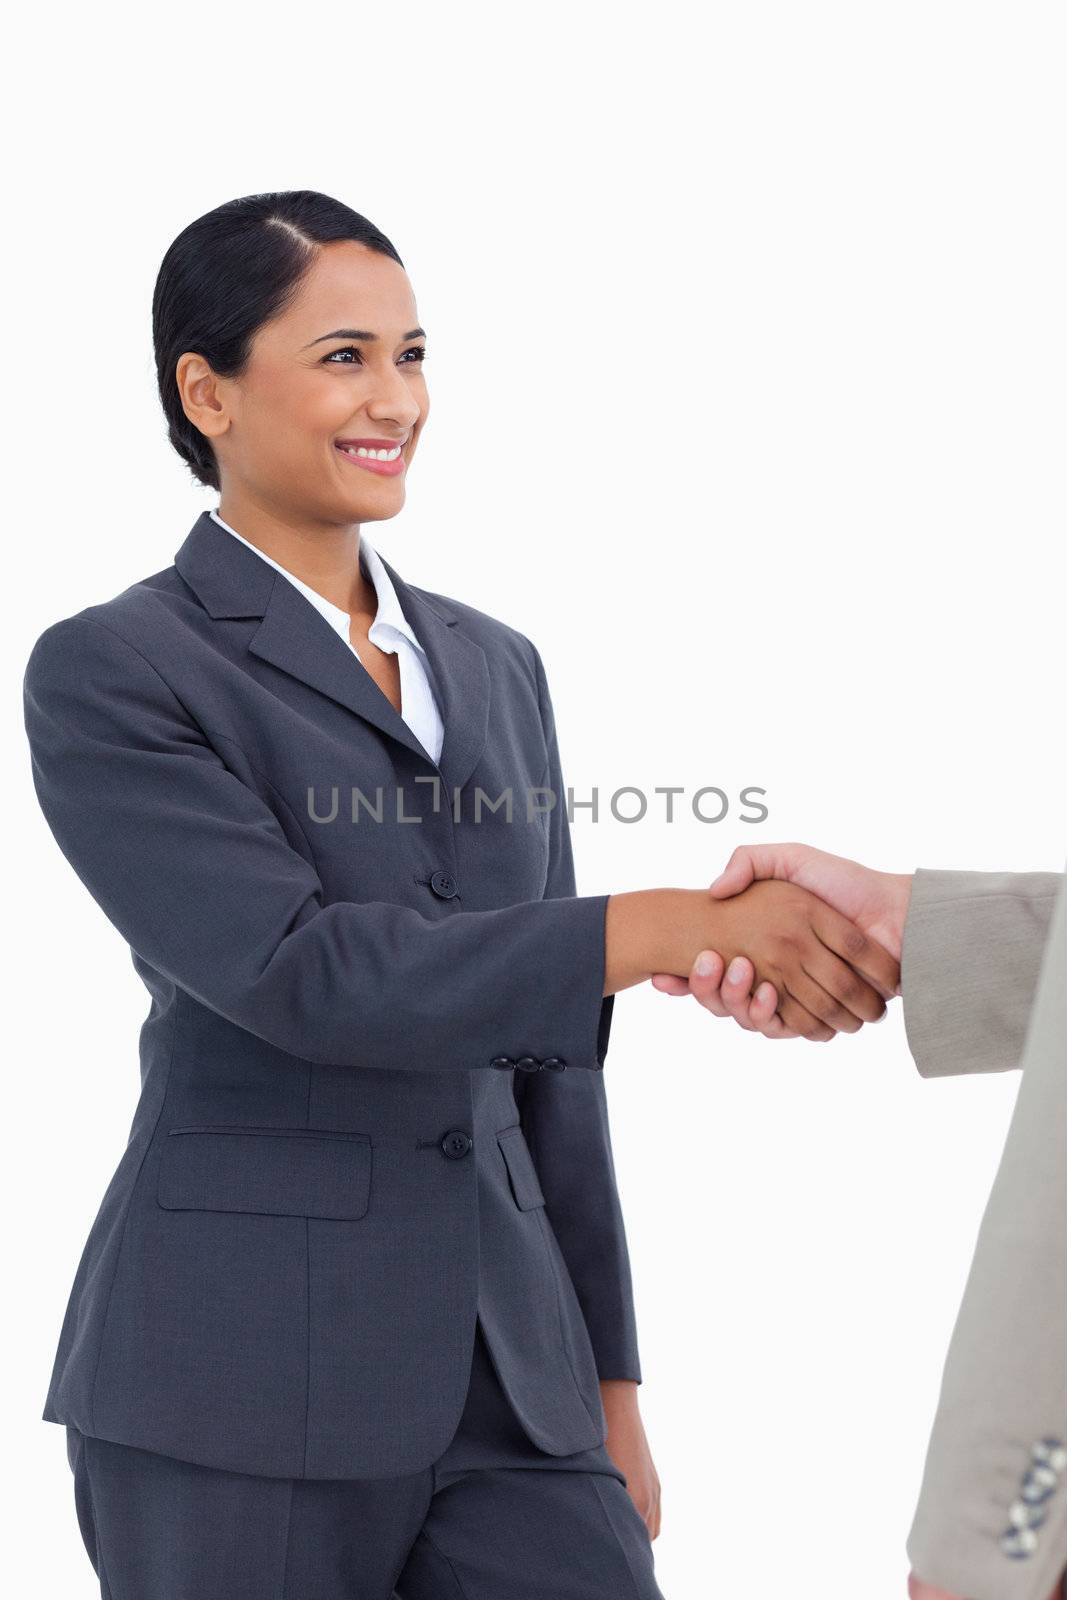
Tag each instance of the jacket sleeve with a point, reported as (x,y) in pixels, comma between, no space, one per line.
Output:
(991,1519)
(565,1120)
(972,949)
(196,871)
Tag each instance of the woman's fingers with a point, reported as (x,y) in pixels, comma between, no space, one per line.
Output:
(764,1016)
(849,995)
(851,1000)
(812,993)
(800,1021)
(836,980)
(868,958)
(763,1013)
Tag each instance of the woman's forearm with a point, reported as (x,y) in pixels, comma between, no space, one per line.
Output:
(654,930)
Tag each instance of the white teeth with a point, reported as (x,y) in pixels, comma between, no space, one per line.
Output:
(372,455)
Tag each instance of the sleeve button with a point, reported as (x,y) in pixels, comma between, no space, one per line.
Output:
(1019,1542)
(1051,1453)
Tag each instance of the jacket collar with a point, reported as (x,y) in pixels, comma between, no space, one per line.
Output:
(230,580)
(371,566)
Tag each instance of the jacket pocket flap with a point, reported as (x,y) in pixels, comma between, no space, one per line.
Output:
(525,1185)
(280,1172)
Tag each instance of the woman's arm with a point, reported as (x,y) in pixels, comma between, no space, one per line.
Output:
(195,870)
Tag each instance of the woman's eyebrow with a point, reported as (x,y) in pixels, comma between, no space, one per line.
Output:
(361,333)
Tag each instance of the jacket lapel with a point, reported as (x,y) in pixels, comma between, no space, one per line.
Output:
(230,580)
(460,676)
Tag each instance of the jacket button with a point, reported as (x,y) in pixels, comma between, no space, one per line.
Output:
(444,884)
(528,1064)
(554,1064)
(502,1063)
(456,1143)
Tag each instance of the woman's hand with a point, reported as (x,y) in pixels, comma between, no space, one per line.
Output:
(628,1448)
(877,902)
(828,976)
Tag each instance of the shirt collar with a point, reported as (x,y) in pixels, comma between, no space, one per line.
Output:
(389,613)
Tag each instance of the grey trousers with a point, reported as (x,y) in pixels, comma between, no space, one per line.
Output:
(494,1518)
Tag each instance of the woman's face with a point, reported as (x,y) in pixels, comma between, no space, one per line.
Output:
(342,363)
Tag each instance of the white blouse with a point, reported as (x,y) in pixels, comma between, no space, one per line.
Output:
(390,631)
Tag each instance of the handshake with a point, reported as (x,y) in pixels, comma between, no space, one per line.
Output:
(789,941)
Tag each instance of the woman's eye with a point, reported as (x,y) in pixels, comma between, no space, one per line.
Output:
(418,352)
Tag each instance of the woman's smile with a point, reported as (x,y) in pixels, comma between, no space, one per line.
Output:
(373,455)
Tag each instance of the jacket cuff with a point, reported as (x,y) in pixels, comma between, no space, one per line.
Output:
(612,1322)
(615,1351)
(971,953)
(568,996)
(603,1032)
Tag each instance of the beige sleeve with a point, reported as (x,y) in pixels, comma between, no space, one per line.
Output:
(973,943)
(991,1519)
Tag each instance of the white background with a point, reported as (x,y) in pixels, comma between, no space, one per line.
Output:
(746,354)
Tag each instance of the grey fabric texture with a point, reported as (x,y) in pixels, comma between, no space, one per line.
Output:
(973,943)
(492,1519)
(326,1176)
(991,1518)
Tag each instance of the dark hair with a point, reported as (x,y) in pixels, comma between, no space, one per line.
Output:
(226,274)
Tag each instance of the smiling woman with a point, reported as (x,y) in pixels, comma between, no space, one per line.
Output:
(315,1294)
(365,1242)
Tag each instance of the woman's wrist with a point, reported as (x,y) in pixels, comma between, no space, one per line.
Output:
(618,1393)
(655,930)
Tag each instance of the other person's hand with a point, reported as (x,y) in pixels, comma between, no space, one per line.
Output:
(918,1590)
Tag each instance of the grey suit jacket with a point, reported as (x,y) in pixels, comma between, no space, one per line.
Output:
(984,983)
(372,1103)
